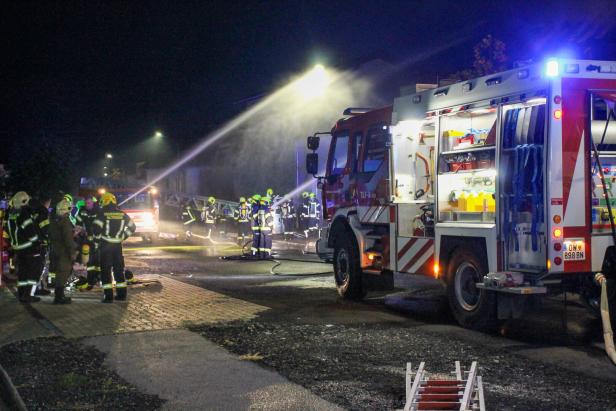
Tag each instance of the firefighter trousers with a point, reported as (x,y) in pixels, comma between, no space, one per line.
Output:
(112,261)
(261,243)
(29,269)
(94,264)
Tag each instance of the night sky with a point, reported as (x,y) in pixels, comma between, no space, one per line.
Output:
(106,74)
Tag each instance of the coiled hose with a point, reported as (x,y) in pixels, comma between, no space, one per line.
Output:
(608,334)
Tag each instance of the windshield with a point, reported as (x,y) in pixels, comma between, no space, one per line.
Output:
(141,201)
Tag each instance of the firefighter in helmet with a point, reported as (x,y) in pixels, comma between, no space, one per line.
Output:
(242,217)
(111,227)
(90,252)
(26,243)
(312,214)
(188,217)
(208,216)
(63,249)
(287,212)
(40,216)
(263,223)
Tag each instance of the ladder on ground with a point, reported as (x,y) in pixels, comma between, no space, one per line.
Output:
(463,391)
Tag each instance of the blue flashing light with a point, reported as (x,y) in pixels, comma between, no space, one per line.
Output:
(552,68)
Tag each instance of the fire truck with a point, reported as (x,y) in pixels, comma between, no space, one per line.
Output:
(142,208)
(499,187)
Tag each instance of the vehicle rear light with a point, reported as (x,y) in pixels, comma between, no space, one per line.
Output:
(558,260)
(558,232)
(436,269)
(558,99)
(557,219)
(558,246)
(558,114)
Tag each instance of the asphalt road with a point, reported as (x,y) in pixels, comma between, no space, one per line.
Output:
(562,339)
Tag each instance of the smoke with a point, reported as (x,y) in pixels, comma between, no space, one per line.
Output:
(261,152)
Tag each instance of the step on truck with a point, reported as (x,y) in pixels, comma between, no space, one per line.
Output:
(499,187)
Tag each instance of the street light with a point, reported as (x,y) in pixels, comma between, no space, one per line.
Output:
(108,155)
(158,134)
(314,83)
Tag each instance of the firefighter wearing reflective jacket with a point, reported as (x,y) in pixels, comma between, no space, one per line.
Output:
(311,214)
(242,216)
(262,225)
(188,218)
(89,249)
(208,216)
(63,249)
(25,242)
(112,226)
(40,216)
(287,211)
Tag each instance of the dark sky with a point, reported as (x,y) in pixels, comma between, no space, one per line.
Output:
(106,74)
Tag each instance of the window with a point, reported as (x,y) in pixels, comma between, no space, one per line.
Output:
(341,150)
(376,149)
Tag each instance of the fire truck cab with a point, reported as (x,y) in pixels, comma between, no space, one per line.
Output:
(499,187)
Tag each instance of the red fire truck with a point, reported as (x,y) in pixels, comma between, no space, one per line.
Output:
(142,208)
(499,187)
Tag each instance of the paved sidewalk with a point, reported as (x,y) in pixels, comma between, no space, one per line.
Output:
(16,323)
(191,373)
(164,303)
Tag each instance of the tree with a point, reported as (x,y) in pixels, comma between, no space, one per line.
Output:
(43,166)
(489,57)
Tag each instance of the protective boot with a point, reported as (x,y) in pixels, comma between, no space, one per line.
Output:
(60,298)
(21,294)
(26,296)
(121,294)
(108,296)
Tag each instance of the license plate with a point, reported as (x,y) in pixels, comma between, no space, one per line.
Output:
(574,249)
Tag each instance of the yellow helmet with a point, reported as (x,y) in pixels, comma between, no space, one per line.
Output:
(211,200)
(312,195)
(19,200)
(305,194)
(269,192)
(63,207)
(107,199)
(242,200)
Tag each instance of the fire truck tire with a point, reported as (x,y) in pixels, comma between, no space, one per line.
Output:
(472,307)
(347,270)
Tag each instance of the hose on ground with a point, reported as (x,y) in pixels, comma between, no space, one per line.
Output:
(608,334)
(279,262)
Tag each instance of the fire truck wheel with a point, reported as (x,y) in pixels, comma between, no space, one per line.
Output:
(347,270)
(472,307)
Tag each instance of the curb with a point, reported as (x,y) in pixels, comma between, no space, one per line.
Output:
(6,385)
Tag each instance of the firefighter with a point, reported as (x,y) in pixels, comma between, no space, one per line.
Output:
(40,216)
(242,217)
(312,214)
(90,251)
(288,219)
(262,229)
(26,244)
(303,217)
(208,216)
(63,249)
(111,227)
(188,218)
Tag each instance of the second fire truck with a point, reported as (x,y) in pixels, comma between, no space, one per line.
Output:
(500,187)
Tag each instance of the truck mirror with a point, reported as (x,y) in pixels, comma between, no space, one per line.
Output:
(313,142)
(312,163)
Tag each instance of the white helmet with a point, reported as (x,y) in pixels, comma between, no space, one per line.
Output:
(63,207)
(19,200)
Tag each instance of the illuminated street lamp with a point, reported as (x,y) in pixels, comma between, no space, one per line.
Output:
(158,134)
(314,83)
(108,155)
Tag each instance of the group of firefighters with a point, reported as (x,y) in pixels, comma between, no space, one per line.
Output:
(90,231)
(255,217)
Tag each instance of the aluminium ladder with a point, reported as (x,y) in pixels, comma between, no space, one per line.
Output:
(463,392)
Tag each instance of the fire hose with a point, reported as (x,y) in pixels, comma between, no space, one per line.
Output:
(608,335)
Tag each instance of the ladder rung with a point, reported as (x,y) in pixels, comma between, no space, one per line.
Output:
(434,405)
(440,397)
